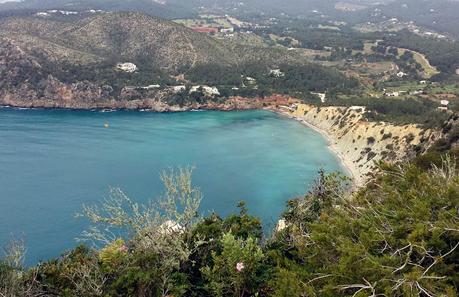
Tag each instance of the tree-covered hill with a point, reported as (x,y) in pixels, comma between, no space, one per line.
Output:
(79,59)
(128,36)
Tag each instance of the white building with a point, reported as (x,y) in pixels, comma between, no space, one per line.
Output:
(65,12)
(320,95)
(127,67)
(208,91)
(211,91)
(178,89)
(393,94)
(418,92)
(444,102)
(250,80)
(149,87)
(358,108)
(276,73)
(227,30)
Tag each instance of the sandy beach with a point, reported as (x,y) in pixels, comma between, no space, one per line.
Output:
(351,169)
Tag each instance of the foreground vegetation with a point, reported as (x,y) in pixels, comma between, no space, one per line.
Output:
(398,236)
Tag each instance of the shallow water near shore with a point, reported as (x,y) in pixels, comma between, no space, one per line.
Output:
(53,161)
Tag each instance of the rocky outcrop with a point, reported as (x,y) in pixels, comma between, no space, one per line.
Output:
(360,143)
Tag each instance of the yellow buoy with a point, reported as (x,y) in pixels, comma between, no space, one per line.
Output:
(106,125)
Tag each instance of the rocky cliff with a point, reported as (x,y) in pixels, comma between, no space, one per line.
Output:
(361,143)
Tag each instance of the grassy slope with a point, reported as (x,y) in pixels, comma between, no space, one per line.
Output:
(429,70)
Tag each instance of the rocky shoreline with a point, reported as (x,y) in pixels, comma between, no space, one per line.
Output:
(150,104)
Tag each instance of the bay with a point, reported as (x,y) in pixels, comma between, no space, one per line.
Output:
(53,161)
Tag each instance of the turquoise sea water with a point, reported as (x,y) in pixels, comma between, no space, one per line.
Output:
(53,161)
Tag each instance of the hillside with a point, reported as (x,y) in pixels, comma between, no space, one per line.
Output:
(99,43)
(128,36)
(82,58)
(440,15)
(133,37)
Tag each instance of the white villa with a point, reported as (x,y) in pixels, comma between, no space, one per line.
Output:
(322,96)
(227,30)
(178,89)
(208,91)
(276,73)
(127,67)
(444,102)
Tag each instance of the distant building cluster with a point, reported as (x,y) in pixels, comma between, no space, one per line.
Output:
(213,24)
(66,12)
(213,30)
(396,25)
(206,90)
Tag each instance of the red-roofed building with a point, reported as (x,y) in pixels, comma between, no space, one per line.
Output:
(206,30)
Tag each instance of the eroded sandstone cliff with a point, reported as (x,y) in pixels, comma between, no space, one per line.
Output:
(362,143)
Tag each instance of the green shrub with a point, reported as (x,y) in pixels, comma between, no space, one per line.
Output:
(286,284)
(398,237)
(237,270)
(371,140)
(386,136)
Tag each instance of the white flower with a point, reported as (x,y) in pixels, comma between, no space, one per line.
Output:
(239,266)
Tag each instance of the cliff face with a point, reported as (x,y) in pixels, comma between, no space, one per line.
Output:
(361,143)
(24,82)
